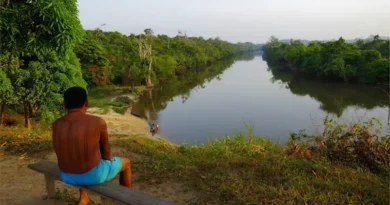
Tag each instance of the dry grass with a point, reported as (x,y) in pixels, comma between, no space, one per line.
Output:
(19,140)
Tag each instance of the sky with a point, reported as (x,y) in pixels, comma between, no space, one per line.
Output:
(241,20)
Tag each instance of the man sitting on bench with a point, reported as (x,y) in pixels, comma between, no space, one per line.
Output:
(81,145)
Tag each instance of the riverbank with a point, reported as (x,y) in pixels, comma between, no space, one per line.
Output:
(114,104)
(241,169)
(122,125)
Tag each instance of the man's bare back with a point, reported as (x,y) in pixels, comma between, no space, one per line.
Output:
(80,141)
(81,144)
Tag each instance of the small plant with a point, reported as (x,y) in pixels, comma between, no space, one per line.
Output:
(66,195)
(355,145)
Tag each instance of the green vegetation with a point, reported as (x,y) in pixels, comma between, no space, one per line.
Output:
(345,165)
(366,61)
(114,58)
(255,171)
(113,97)
(44,51)
(65,195)
(37,62)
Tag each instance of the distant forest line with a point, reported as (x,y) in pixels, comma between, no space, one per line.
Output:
(366,61)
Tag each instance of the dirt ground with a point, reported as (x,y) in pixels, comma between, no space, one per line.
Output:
(22,186)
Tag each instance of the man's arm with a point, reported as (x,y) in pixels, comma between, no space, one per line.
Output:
(105,150)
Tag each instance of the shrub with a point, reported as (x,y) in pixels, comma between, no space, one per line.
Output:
(355,145)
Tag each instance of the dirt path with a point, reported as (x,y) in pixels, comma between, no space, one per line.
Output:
(20,186)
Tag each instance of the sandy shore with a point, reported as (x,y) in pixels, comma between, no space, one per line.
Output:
(119,125)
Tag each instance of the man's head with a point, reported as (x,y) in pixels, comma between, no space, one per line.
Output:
(75,98)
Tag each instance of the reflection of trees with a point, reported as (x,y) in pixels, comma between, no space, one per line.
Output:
(153,101)
(334,97)
(245,57)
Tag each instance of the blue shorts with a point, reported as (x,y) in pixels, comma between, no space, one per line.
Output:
(102,172)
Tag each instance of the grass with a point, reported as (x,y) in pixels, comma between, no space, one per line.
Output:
(19,140)
(102,97)
(256,171)
(67,196)
(242,169)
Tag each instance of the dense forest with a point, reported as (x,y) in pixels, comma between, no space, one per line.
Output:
(114,58)
(44,50)
(365,61)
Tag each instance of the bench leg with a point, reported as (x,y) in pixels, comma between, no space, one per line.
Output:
(50,188)
(108,201)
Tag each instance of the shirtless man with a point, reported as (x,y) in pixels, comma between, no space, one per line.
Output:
(82,149)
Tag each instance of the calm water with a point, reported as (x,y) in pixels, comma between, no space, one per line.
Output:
(218,100)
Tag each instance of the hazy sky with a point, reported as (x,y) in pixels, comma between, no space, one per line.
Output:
(241,20)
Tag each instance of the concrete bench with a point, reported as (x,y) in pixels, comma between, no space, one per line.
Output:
(110,193)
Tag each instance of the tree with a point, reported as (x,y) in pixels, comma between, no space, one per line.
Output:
(95,66)
(165,67)
(6,91)
(148,59)
(8,63)
(334,60)
(41,35)
(145,53)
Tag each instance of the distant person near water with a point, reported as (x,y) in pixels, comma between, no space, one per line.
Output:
(81,145)
(154,129)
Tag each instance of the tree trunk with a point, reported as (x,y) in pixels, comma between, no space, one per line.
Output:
(27,115)
(2,112)
(32,108)
(149,80)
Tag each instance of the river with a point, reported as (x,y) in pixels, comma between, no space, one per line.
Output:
(224,98)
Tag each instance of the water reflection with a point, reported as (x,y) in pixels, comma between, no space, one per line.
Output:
(216,100)
(334,97)
(153,101)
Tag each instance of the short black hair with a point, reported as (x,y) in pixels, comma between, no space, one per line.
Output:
(75,97)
